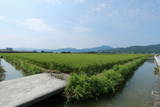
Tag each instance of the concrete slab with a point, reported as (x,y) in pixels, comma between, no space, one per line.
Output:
(157,58)
(156,89)
(28,90)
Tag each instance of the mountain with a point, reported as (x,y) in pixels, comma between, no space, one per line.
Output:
(66,50)
(24,49)
(135,49)
(83,50)
(104,47)
(31,50)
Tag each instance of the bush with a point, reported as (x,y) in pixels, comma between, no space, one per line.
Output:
(78,86)
(82,86)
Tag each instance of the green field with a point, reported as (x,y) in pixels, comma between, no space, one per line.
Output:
(90,63)
(76,60)
(90,74)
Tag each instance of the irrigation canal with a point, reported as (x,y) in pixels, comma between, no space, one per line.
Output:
(25,91)
(139,91)
(10,71)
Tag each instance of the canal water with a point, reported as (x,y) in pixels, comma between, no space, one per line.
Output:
(10,71)
(135,93)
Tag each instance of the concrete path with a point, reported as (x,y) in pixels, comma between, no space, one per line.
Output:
(28,90)
(156,89)
(157,58)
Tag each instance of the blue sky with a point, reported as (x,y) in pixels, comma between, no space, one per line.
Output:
(78,23)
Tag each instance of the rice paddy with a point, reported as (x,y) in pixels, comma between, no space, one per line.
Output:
(90,74)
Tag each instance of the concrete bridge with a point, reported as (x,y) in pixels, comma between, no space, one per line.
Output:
(28,90)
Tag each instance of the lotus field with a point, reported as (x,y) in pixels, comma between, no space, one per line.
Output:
(90,74)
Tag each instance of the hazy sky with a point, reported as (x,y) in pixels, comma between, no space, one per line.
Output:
(78,23)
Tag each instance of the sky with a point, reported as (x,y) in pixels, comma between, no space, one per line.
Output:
(52,24)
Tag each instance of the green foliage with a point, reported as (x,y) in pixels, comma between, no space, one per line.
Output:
(2,75)
(27,68)
(88,63)
(1,69)
(78,84)
(91,74)
(83,86)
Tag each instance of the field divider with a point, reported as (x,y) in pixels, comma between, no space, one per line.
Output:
(82,86)
(90,69)
(31,69)
(88,79)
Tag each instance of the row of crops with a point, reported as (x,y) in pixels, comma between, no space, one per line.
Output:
(90,74)
(89,63)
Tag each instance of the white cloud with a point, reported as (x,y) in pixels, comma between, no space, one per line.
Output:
(37,24)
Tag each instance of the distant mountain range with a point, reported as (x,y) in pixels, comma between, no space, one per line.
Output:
(96,49)
(135,49)
(102,49)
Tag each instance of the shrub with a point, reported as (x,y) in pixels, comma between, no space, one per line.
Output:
(82,86)
(78,86)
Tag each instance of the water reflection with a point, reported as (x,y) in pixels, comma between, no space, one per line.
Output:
(9,71)
(2,75)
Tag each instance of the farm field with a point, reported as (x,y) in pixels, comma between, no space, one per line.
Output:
(91,75)
(68,63)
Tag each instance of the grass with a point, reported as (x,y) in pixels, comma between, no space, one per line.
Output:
(90,74)
(1,69)
(82,86)
(89,63)
(2,75)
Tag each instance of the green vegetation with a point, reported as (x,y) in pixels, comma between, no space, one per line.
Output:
(157,69)
(91,74)
(108,82)
(89,63)
(27,68)
(2,76)
(1,69)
